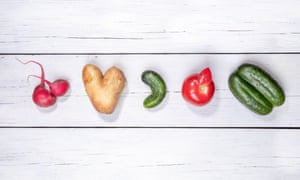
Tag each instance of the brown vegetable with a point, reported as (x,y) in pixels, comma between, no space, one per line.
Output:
(103,90)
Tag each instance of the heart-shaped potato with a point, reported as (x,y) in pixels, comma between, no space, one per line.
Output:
(103,91)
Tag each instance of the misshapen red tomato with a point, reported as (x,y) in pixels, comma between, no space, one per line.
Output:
(198,89)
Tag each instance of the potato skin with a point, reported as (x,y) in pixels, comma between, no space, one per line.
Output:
(103,90)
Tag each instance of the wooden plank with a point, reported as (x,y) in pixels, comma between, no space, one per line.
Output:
(149,26)
(149,154)
(17,109)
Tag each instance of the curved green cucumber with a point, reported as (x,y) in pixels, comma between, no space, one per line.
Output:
(248,95)
(158,88)
(263,82)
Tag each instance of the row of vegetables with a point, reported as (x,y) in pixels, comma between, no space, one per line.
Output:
(250,85)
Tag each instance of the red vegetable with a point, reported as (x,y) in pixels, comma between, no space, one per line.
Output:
(58,87)
(42,97)
(46,96)
(198,89)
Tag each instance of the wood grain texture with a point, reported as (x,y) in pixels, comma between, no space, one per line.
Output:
(117,26)
(76,110)
(149,154)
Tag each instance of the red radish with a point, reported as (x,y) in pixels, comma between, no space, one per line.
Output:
(58,88)
(41,95)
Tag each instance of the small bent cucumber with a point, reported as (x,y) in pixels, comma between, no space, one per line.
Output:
(248,95)
(263,82)
(158,88)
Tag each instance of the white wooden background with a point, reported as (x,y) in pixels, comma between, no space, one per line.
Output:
(222,140)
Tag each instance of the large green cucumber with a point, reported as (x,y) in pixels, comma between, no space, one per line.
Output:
(263,83)
(248,95)
(158,88)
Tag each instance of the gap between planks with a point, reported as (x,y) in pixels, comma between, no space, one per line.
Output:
(149,53)
(148,127)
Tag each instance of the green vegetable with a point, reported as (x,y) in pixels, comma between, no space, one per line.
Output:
(158,88)
(248,95)
(256,89)
(263,82)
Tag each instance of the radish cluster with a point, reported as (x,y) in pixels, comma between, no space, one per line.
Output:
(46,93)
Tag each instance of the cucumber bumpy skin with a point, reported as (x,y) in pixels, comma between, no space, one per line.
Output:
(158,88)
(263,82)
(248,95)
